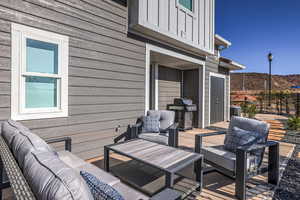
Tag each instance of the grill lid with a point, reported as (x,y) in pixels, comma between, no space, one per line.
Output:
(183,101)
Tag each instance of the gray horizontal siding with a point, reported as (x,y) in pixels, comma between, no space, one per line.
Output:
(169,86)
(106,68)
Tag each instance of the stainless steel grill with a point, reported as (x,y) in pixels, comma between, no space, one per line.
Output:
(184,112)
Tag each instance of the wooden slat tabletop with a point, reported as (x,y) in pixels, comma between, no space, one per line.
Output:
(162,156)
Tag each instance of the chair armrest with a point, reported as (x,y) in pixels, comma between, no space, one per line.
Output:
(199,140)
(167,194)
(273,160)
(173,135)
(67,140)
(134,130)
(258,146)
(173,126)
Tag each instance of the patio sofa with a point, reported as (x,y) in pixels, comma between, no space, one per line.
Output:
(36,171)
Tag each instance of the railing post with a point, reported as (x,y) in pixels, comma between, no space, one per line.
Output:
(298,105)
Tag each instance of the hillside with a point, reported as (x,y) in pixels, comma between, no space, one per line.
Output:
(256,81)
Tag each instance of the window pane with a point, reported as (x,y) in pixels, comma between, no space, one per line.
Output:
(187,4)
(40,92)
(41,57)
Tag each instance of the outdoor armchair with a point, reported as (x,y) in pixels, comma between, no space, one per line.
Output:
(246,162)
(168,133)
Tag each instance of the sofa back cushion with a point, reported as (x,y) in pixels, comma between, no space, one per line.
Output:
(21,141)
(241,138)
(166,118)
(51,179)
(259,127)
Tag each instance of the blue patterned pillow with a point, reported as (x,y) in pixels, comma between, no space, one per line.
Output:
(100,190)
(241,138)
(151,124)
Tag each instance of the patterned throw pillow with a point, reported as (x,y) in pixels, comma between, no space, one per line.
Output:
(151,124)
(241,138)
(100,190)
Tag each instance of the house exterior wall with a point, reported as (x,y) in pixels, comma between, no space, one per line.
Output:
(169,86)
(212,66)
(169,21)
(106,68)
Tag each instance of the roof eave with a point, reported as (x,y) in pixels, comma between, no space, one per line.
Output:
(232,65)
(219,40)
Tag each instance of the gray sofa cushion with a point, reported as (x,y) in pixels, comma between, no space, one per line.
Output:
(128,193)
(161,138)
(80,165)
(9,129)
(150,124)
(226,159)
(51,179)
(241,138)
(166,118)
(21,141)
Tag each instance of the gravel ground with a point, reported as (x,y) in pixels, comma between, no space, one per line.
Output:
(289,186)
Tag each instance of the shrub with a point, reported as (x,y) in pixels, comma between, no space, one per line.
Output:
(249,109)
(293,123)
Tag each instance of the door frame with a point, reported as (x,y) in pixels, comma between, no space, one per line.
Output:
(209,96)
(201,63)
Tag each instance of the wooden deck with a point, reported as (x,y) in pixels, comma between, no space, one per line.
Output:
(215,186)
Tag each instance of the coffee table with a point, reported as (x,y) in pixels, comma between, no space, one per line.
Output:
(168,159)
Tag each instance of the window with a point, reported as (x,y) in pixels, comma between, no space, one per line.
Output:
(39,74)
(188,4)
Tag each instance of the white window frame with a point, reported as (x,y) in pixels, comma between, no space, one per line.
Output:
(19,35)
(188,11)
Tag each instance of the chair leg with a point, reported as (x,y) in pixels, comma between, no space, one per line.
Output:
(273,168)
(198,168)
(173,138)
(241,174)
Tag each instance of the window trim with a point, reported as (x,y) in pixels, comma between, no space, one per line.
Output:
(19,35)
(188,11)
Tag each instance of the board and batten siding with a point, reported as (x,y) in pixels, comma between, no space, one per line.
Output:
(170,22)
(106,68)
(212,65)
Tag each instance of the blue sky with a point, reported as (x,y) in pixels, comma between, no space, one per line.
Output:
(256,27)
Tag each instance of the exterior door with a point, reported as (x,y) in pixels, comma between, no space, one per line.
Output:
(217,86)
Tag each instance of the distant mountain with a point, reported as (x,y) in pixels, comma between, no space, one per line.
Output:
(256,81)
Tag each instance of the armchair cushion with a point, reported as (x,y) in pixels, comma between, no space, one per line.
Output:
(161,138)
(166,118)
(241,138)
(226,159)
(260,127)
(150,124)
